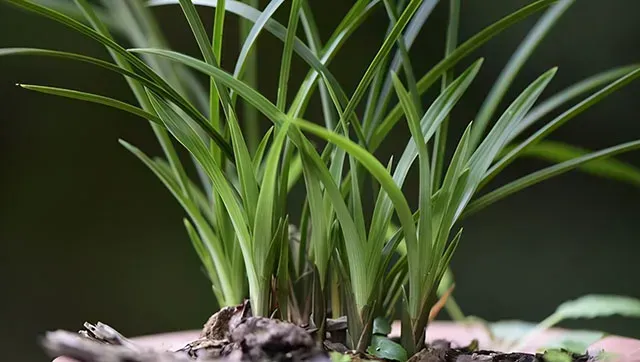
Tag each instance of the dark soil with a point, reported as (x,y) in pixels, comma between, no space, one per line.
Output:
(233,335)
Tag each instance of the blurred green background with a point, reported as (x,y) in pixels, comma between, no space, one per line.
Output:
(88,233)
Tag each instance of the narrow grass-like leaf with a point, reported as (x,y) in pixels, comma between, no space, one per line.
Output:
(358,13)
(546,173)
(248,45)
(93,34)
(450,193)
(175,98)
(94,98)
(278,117)
(187,136)
(202,39)
(366,79)
(559,121)
(121,60)
(376,169)
(423,251)
(410,34)
(263,228)
(319,234)
(205,258)
(212,243)
(280,32)
(315,44)
(573,91)
(485,154)
(514,65)
(403,49)
(69,9)
(354,248)
(461,51)
(429,123)
(257,157)
(249,94)
(216,48)
(440,143)
(439,109)
(244,167)
(250,75)
(282,271)
(197,196)
(285,64)
(295,171)
(557,152)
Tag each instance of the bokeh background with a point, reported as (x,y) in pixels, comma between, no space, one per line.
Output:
(88,233)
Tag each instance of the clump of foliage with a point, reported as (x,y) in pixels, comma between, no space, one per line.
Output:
(343,261)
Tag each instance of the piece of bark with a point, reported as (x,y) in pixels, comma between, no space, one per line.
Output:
(270,339)
(220,324)
(83,349)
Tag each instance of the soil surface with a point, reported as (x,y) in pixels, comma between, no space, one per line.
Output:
(233,335)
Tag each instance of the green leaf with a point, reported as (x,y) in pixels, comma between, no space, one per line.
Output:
(458,54)
(383,347)
(282,271)
(514,65)
(593,306)
(436,113)
(547,173)
(205,258)
(588,306)
(485,154)
(319,233)
(440,143)
(392,14)
(555,355)
(257,158)
(362,280)
(285,65)
(559,121)
(232,296)
(246,52)
(94,98)
(410,34)
(98,35)
(177,99)
(558,152)
(71,10)
(421,258)
(295,171)
(280,32)
(360,10)
(263,228)
(249,94)
(339,357)
(202,39)
(567,94)
(183,132)
(244,166)
(381,326)
(451,191)
(313,165)
(315,44)
(372,69)
(93,34)
(208,51)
